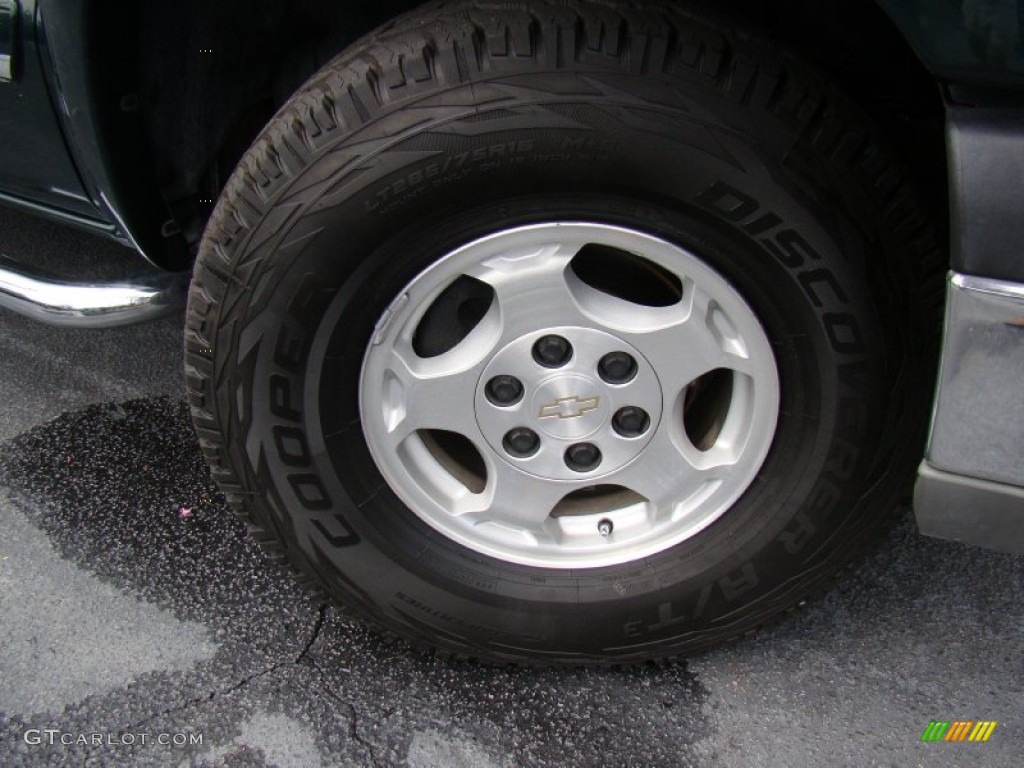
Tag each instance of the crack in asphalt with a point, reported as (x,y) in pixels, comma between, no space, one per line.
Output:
(214,695)
(353,719)
(323,685)
(321,618)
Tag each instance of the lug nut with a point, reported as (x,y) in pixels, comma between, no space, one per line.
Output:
(630,421)
(504,390)
(582,457)
(617,367)
(605,527)
(552,351)
(521,442)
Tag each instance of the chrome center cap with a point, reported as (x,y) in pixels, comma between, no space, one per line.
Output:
(567,404)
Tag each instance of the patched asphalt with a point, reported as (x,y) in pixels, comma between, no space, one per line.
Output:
(132,602)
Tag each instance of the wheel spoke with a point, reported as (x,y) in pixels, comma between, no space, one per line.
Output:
(515,498)
(429,393)
(532,288)
(668,472)
(688,340)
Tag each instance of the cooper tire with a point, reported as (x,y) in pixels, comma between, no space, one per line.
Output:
(457,123)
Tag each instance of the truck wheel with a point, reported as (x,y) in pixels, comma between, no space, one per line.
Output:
(542,332)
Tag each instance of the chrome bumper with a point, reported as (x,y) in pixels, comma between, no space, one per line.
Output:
(46,298)
(971,485)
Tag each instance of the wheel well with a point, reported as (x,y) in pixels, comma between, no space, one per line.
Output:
(211,74)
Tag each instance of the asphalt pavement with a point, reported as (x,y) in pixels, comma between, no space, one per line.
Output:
(139,626)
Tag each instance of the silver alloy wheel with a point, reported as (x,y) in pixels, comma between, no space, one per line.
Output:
(573,425)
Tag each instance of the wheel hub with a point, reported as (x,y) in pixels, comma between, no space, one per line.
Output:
(569,404)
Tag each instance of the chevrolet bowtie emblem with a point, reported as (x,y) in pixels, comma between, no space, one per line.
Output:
(569,407)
